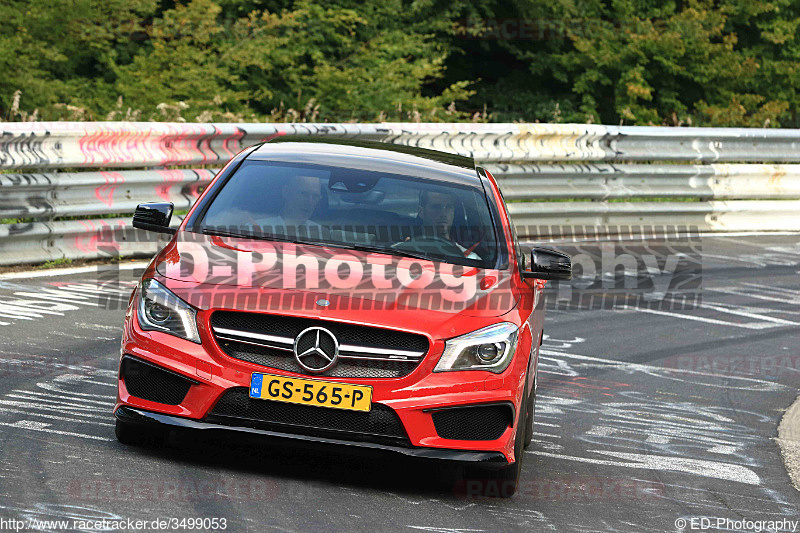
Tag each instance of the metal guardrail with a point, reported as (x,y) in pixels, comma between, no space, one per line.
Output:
(126,145)
(553,175)
(600,181)
(65,194)
(35,242)
(548,219)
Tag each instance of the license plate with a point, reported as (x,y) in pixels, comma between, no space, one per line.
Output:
(311,392)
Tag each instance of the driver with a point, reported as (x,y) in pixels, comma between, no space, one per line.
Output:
(437,211)
(300,198)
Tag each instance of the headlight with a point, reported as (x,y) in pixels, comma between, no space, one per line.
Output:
(161,310)
(486,349)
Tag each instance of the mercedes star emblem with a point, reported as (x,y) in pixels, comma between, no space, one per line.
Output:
(316,349)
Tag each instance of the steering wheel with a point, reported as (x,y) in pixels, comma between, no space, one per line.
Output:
(426,243)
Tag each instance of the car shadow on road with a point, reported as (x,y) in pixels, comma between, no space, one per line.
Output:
(288,461)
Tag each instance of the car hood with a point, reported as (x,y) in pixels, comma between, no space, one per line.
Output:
(213,272)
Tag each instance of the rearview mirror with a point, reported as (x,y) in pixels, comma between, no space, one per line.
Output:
(549,264)
(154,216)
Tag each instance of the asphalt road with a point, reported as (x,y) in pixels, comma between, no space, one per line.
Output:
(645,418)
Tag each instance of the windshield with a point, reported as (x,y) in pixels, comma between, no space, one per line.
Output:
(375,211)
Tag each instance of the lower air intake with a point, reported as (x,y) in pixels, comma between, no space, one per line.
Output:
(149,382)
(481,422)
(381,424)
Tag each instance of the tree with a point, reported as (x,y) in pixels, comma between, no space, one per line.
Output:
(699,62)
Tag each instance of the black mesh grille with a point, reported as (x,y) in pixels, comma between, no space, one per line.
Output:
(473,423)
(345,333)
(381,424)
(151,383)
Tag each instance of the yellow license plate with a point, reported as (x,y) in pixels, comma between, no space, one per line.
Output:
(311,392)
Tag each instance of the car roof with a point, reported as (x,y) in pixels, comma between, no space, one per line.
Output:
(371,156)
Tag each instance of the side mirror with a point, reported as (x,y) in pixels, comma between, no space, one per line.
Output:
(549,264)
(154,216)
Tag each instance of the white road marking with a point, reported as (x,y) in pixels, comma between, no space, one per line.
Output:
(55,401)
(58,432)
(727,259)
(659,371)
(29,424)
(435,529)
(745,325)
(763,292)
(714,469)
(116,329)
(33,302)
(15,316)
(66,409)
(51,416)
(747,311)
(55,388)
(65,397)
(58,296)
(16,311)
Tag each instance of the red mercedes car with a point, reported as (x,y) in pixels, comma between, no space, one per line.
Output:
(346,293)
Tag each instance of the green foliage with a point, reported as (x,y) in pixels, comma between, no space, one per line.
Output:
(61,261)
(695,62)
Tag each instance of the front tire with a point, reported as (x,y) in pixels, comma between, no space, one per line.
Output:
(529,416)
(503,482)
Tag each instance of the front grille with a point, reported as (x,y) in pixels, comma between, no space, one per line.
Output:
(365,352)
(486,422)
(152,383)
(285,361)
(381,424)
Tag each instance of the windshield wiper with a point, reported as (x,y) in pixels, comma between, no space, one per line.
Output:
(220,233)
(260,236)
(391,251)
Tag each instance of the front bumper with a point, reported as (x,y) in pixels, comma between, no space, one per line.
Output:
(131,415)
(414,398)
